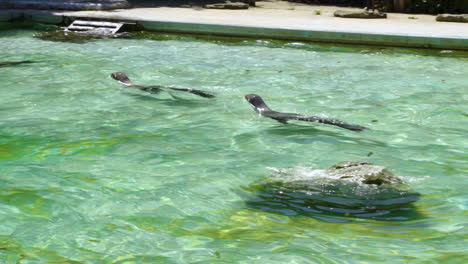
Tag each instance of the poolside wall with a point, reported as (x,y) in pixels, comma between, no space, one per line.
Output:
(254,32)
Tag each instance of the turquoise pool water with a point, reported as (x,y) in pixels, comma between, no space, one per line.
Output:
(94,172)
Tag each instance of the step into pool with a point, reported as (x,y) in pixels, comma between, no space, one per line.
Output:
(92,171)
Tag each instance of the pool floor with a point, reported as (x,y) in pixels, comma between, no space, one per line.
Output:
(95,172)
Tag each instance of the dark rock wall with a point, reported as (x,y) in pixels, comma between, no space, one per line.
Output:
(410,6)
(65,4)
(438,6)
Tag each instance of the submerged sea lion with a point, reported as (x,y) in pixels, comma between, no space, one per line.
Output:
(8,63)
(123,79)
(261,108)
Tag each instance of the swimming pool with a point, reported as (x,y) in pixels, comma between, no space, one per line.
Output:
(95,172)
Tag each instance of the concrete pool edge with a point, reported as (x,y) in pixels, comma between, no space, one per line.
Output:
(326,36)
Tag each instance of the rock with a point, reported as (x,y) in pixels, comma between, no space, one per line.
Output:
(359,172)
(349,189)
(228,5)
(463,18)
(363,172)
(65,4)
(359,14)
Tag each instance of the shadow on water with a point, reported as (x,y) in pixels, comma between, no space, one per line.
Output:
(16,63)
(320,133)
(174,101)
(334,202)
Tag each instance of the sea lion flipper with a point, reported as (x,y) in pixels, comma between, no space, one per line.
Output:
(202,93)
(193,91)
(333,122)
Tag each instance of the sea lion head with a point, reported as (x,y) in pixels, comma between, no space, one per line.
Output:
(255,101)
(121,77)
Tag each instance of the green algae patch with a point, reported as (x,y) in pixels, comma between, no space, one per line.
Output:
(13,252)
(303,45)
(69,37)
(12,147)
(41,147)
(7,151)
(89,147)
(15,147)
(82,147)
(28,201)
(253,225)
(159,36)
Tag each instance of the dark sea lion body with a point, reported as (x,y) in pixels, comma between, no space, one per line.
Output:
(9,63)
(261,108)
(123,79)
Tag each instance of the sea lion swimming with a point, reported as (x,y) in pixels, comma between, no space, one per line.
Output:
(123,79)
(261,108)
(8,63)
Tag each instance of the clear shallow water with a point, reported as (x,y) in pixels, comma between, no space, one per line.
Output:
(93,172)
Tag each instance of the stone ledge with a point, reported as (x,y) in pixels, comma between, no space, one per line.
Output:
(359,14)
(65,4)
(463,18)
(228,5)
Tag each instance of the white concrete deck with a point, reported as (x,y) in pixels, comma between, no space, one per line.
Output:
(285,15)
